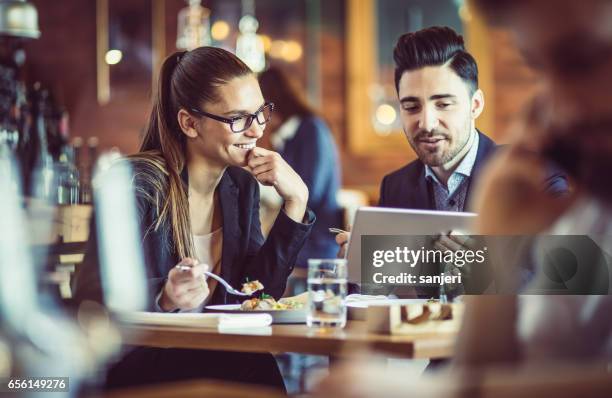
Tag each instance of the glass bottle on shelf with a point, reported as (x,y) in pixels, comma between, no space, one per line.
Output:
(68,179)
(68,182)
(87,172)
(43,174)
(27,147)
(9,135)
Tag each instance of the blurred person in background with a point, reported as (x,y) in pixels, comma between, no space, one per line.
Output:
(569,123)
(304,140)
(195,179)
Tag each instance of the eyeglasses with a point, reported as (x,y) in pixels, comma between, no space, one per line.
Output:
(241,123)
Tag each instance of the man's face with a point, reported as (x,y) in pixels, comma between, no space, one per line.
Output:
(437,113)
(572,49)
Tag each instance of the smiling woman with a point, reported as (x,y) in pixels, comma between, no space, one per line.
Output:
(196,182)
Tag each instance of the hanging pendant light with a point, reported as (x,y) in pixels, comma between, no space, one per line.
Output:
(249,45)
(193,26)
(18,18)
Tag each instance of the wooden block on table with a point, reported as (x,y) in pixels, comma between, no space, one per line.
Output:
(414,318)
(73,222)
(49,224)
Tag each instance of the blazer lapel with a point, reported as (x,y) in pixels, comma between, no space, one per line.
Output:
(418,197)
(486,147)
(228,197)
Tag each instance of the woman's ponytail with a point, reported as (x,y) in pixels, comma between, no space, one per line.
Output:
(163,123)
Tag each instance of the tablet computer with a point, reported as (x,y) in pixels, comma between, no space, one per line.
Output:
(390,221)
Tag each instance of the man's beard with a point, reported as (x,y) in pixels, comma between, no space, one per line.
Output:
(438,159)
(584,151)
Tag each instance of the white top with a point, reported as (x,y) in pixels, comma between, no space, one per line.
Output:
(208,250)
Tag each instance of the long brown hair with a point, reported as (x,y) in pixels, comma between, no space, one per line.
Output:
(278,87)
(186,80)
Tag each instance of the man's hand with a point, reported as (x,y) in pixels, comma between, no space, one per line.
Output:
(342,240)
(455,241)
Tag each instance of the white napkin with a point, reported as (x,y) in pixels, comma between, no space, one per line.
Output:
(207,320)
(364,297)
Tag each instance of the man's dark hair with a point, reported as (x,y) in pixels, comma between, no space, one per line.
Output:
(435,46)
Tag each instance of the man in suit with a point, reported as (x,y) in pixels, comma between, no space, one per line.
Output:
(437,85)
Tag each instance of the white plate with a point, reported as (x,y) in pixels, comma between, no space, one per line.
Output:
(367,303)
(278,316)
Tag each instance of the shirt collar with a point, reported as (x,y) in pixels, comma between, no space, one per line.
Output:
(466,165)
(285,132)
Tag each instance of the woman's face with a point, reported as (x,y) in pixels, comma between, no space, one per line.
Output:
(215,140)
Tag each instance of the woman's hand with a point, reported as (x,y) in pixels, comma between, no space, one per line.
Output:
(186,287)
(269,168)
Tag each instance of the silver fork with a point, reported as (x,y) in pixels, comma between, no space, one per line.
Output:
(222,281)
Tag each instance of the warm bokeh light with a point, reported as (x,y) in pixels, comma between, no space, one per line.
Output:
(113,57)
(385,114)
(220,30)
(289,51)
(276,48)
(292,51)
(267,42)
(465,13)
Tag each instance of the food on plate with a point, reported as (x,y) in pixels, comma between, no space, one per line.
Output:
(267,302)
(252,287)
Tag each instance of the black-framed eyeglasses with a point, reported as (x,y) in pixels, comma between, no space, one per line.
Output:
(241,123)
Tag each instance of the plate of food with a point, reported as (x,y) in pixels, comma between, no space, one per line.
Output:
(285,310)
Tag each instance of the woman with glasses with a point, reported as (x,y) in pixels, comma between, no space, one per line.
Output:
(196,181)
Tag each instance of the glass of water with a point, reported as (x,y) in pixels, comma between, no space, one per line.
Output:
(326,293)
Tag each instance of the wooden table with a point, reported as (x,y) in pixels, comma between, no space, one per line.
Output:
(195,389)
(354,340)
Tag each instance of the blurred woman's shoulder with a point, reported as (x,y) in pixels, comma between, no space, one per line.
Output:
(315,123)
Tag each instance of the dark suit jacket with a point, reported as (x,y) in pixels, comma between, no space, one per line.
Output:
(409,189)
(245,253)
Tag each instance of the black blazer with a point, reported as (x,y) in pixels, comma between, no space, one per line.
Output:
(245,253)
(409,189)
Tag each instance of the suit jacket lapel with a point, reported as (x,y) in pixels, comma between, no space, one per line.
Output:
(228,197)
(418,196)
(486,147)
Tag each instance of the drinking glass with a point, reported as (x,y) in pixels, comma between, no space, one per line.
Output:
(327,285)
